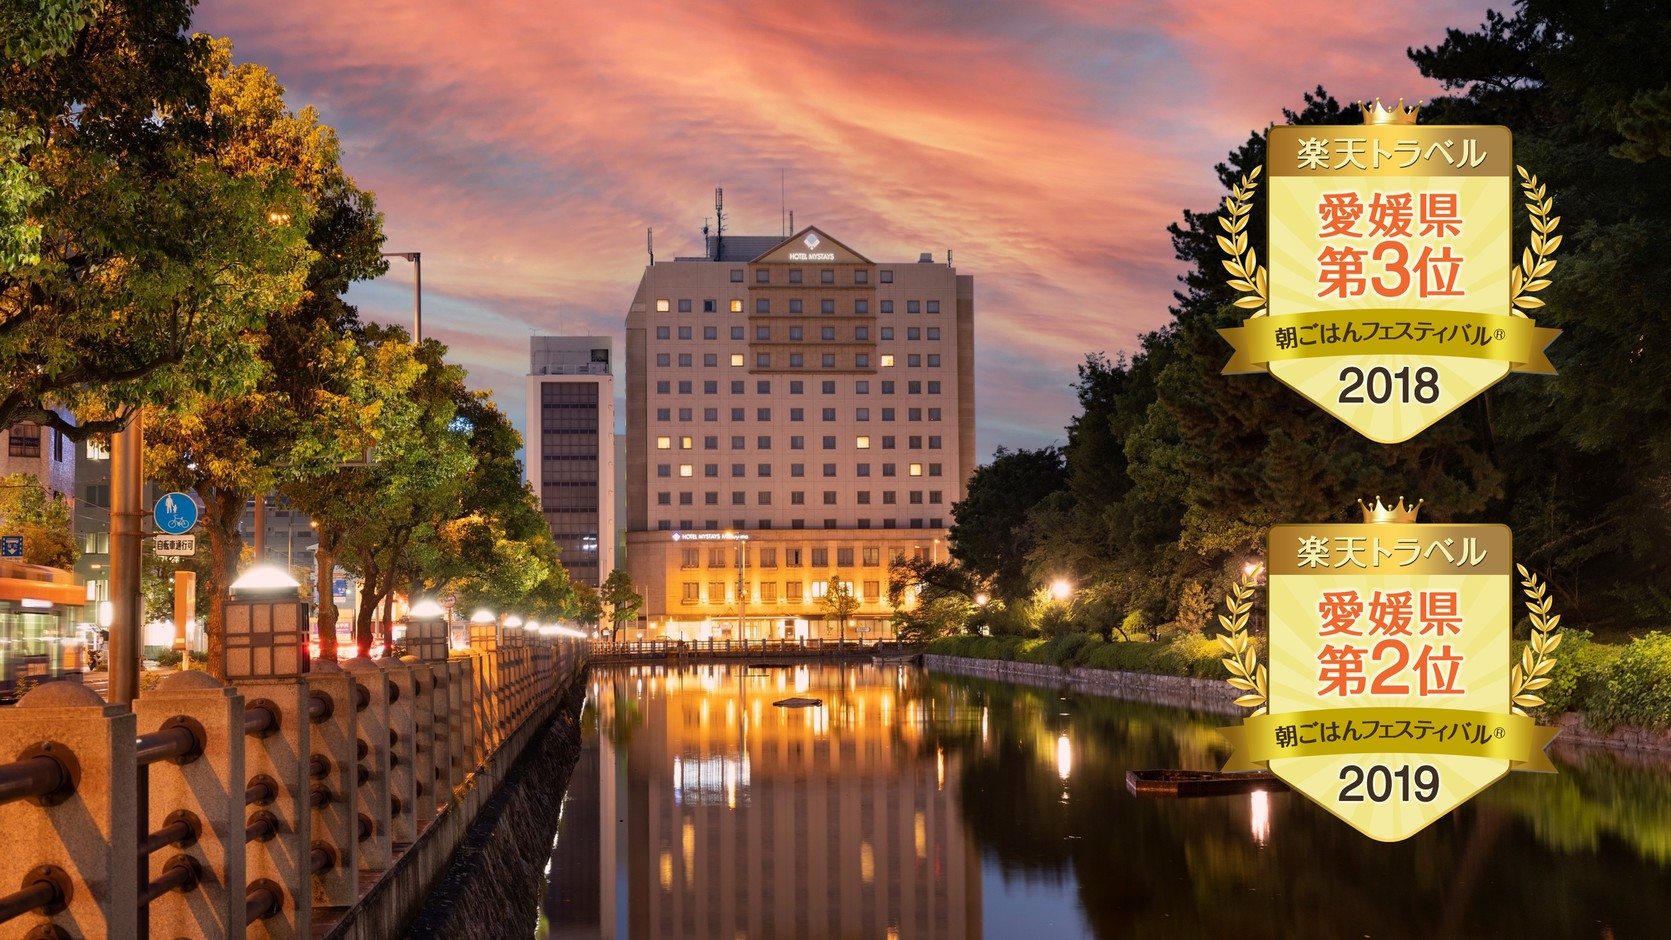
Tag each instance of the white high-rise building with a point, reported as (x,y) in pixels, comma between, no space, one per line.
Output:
(795,412)
(570,444)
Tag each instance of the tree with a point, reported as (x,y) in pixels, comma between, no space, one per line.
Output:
(310,401)
(991,535)
(839,603)
(133,263)
(44,521)
(624,603)
(932,599)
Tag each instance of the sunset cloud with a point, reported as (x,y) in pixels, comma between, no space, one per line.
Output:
(525,148)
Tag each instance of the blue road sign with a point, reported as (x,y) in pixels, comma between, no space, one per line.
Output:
(11,546)
(176,513)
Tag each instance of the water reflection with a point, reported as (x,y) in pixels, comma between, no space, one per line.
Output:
(913,806)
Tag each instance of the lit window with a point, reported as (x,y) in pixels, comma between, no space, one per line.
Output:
(736,359)
(663,443)
(685,443)
(662,306)
(686,470)
(863,443)
(916,469)
(736,306)
(887,360)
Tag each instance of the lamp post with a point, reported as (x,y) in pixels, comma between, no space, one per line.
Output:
(417,290)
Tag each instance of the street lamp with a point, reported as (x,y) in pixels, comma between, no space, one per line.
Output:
(417,290)
(1060,589)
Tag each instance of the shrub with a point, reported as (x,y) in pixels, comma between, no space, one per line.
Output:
(1579,676)
(1193,655)
(1634,690)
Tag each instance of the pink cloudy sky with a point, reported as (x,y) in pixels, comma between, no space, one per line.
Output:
(525,147)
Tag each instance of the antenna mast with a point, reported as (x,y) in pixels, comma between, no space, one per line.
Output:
(719,223)
(650,244)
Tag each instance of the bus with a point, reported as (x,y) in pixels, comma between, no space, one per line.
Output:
(39,607)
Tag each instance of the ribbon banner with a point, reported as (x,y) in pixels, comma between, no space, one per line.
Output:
(1396,332)
(1408,730)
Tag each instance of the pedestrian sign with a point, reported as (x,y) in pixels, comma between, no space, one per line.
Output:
(176,513)
(11,546)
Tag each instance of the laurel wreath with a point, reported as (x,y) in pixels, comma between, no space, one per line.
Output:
(1246,275)
(1532,672)
(1532,274)
(1245,672)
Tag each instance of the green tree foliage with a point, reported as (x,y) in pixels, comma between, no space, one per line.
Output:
(932,599)
(624,603)
(312,400)
(134,258)
(992,533)
(838,601)
(44,520)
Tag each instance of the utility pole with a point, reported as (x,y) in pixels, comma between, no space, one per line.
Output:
(127,491)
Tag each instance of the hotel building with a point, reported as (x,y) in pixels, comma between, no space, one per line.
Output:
(570,444)
(795,411)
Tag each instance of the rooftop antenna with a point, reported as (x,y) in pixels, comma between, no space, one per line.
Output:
(791,220)
(783,200)
(650,244)
(948,257)
(719,223)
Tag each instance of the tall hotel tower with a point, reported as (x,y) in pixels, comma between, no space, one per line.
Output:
(795,412)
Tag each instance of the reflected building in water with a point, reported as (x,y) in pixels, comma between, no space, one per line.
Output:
(721,816)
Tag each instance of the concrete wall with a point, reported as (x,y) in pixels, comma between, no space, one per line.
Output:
(1208,695)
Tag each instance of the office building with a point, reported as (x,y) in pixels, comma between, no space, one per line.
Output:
(570,444)
(795,412)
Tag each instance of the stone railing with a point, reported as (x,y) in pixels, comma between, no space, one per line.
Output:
(283,805)
(1208,695)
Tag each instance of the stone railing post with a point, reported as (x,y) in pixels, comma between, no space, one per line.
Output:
(205,792)
(371,798)
(423,737)
(83,837)
(458,719)
(336,757)
(403,756)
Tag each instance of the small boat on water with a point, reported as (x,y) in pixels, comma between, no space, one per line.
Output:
(901,658)
(799,703)
(1187,783)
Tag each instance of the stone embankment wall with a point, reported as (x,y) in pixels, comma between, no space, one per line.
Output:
(492,889)
(1216,696)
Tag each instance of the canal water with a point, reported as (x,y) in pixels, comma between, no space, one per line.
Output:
(920,805)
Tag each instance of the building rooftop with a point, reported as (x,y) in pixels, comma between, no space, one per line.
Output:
(738,248)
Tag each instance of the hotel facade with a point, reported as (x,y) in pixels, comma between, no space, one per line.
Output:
(795,412)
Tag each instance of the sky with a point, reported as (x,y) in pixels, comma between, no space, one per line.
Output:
(524,148)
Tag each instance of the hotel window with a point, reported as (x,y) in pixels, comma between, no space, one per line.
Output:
(859,414)
(912,332)
(664,414)
(915,469)
(934,497)
(934,360)
(692,593)
(861,333)
(710,469)
(887,306)
(796,387)
(829,360)
(738,499)
(820,558)
(662,388)
(736,275)
(762,414)
(826,306)
(934,469)
(795,333)
(914,414)
(684,360)
(888,469)
(708,332)
(934,388)
(888,498)
(763,387)
(887,277)
(829,469)
(719,558)
(934,306)
(887,440)
(710,499)
(768,558)
(829,414)
(794,275)
(826,276)
(709,306)
(664,499)
(762,276)
(684,332)
(861,306)
(664,469)
(933,414)
(934,442)
(844,557)
(792,591)
(795,307)
(736,306)
(711,441)
(861,277)
(914,360)
(913,306)
(684,387)
(663,332)
(739,470)
(861,387)
(872,557)
(797,498)
(710,359)
(768,592)
(662,306)
(684,306)
(736,359)
(933,332)
(764,469)
(664,359)
(827,333)
(710,387)
(664,443)
(861,360)
(691,557)
(863,469)
(716,592)
(830,442)
(864,497)
(791,558)
(737,440)
(762,360)
(737,333)
(819,588)
(684,499)
(797,414)
(762,333)
(687,470)
(873,590)
(762,305)
(913,388)
(862,442)
(797,469)
(916,497)
(887,362)
(796,360)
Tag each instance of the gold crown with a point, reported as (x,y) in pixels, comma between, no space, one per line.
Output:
(1381,513)
(1378,114)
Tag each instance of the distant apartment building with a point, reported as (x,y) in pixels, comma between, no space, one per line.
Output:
(41,452)
(570,444)
(795,412)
